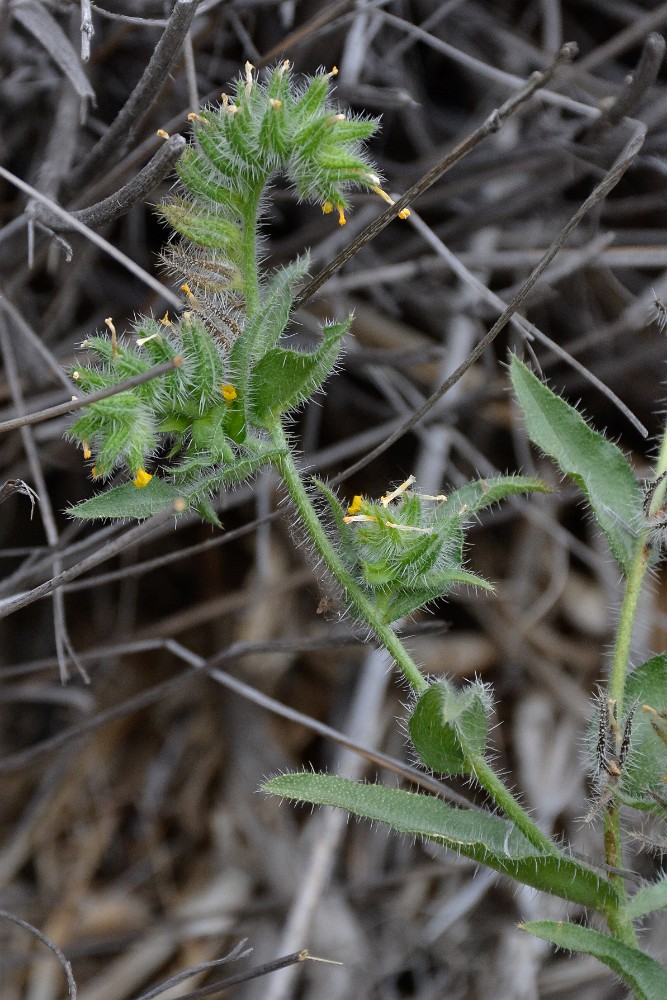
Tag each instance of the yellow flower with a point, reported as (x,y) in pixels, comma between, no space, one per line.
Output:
(142,479)
(355,506)
(327,208)
(399,491)
(229,393)
(403,214)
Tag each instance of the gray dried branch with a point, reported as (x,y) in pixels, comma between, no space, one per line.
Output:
(118,137)
(610,180)
(71,985)
(121,201)
(494,122)
(35,18)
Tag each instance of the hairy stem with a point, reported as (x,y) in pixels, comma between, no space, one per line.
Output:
(613,841)
(613,849)
(248,262)
(512,808)
(621,657)
(311,522)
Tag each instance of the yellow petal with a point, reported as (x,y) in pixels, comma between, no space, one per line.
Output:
(142,479)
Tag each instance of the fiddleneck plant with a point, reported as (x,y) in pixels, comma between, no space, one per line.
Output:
(221,414)
(235,380)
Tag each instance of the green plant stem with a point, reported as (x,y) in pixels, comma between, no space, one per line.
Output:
(613,841)
(366,609)
(248,262)
(620,926)
(299,496)
(626,623)
(504,799)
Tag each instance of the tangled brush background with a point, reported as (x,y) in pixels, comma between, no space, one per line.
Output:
(132,835)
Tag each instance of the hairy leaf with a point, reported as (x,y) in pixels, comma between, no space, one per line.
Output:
(475,496)
(648,899)
(646,978)
(283,379)
(440,717)
(646,767)
(476,834)
(128,501)
(596,465)
(435,586)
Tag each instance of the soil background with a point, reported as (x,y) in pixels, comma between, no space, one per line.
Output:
(133,835)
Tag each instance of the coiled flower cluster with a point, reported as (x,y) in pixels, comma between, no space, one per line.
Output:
(206,420)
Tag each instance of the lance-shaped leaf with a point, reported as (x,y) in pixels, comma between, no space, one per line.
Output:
(475,496)
(238,471)
(596,465)
(409,599)
(283,379)
(192,487)
(474,833)
(203,227)
(128,501)
(646,977)
(441,717)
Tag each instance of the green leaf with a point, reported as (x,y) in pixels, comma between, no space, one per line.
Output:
(475,496)
(646,977)
(344,531)
(192,484)
(648,899)
(596,465)
(195,173)
(266,326)
(205,510)
(433,587)
(238,471)
(440,716)
(474,833)
(129,501)
(646,766)
(203,227)
(283,379)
